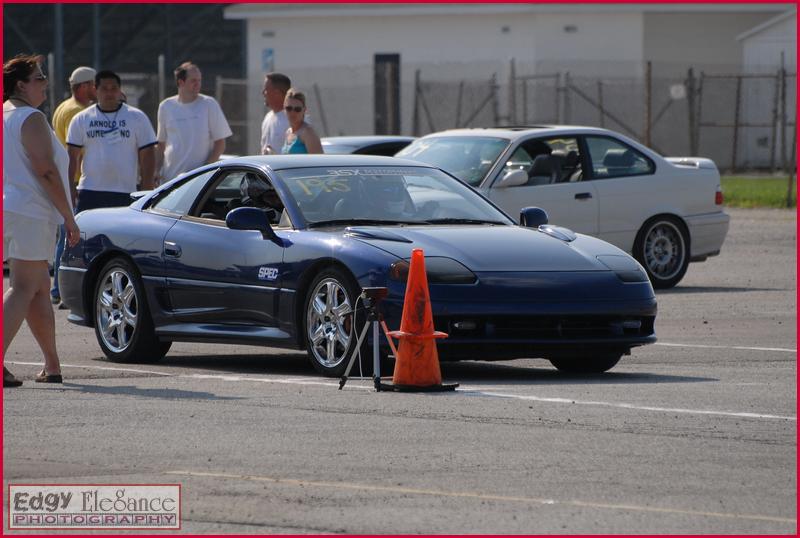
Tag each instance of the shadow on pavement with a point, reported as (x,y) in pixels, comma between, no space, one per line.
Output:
(280,363)
(130,390)
(511,372)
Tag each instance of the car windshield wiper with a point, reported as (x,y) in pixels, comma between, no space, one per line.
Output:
(361,222)
(452,220)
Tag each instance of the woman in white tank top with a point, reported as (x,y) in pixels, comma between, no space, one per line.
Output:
(35,203)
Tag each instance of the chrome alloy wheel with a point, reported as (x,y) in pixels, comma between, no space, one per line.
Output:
(664,250)
(117,309)
(329,322)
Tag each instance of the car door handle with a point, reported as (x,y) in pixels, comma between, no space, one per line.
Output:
(583,195)
(172,249)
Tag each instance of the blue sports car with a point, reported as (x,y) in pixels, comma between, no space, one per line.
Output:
(275,250)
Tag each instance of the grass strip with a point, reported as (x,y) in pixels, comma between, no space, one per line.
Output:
(757,191)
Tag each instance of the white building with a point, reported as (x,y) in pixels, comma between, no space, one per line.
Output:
(344,48)
(767,48)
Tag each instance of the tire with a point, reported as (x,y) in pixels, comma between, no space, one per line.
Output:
(662,247)
(328,322)
(123,325)
(593,365)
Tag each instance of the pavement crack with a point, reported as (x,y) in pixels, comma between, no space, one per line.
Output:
(264,525)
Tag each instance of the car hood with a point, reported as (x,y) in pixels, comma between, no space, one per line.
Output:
(483,248)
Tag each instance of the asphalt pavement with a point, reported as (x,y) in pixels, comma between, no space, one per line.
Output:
(696,434)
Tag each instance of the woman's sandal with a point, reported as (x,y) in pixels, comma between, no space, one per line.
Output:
(9,380)
(44,377)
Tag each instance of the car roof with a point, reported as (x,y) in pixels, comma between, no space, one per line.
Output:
(286,162)
(514,132)
(364,140)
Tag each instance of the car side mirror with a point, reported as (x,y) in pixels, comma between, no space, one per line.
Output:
(532,217)
(513,178)
(252,218)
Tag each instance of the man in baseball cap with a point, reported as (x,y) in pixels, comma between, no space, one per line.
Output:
(81,83)
(82,74)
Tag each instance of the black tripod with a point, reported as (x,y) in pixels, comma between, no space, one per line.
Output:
(371,297)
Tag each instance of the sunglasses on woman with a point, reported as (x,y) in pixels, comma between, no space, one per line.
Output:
(294,108)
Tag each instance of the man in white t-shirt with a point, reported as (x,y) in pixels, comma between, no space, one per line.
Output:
(118,145)
(191,126)
(273,128)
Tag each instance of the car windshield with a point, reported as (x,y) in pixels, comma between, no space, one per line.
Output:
(386,195)
(468,158)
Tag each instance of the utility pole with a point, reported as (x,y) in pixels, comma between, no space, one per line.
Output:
(690,96)
(58,52)
(648,103)
(96,36)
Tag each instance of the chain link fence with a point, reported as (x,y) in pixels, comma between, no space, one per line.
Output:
(743,121)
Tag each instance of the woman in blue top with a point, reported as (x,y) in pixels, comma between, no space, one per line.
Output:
(300,136)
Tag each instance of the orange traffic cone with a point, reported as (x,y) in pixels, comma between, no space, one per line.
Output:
(417,362)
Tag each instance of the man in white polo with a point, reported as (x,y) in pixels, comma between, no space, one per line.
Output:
(191,126)
(118,146)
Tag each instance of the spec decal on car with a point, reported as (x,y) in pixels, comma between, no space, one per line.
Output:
(267,273)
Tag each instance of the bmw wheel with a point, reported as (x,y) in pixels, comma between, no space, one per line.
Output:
(329,327)
(662,247)
(123,325)
(583,365)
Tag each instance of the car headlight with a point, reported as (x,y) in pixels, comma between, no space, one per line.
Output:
(439,271)
(625,267)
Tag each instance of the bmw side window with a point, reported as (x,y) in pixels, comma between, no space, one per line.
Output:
(565,158)
(179,199)
(611,158)
(555,160)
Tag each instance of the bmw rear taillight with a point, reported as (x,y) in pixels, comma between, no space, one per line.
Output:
(718,196)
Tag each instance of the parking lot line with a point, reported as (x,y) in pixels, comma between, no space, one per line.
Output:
(632,406)
(480,496)
(111,368)
(746,348)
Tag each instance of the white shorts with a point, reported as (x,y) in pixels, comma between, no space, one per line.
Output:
(29,239)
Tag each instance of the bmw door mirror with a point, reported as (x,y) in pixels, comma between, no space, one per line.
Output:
(251,218)
(513,178)
(532,217)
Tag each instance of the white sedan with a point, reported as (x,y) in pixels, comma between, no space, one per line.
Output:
(665,211)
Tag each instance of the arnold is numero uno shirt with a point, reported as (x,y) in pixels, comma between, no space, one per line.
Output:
(111,141)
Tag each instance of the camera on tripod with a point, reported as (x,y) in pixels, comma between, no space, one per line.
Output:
(371,297)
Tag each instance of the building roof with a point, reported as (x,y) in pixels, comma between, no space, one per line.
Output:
(284,10)
(766,24)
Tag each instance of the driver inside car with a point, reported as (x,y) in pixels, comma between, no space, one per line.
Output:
(257,192)
(387,196)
